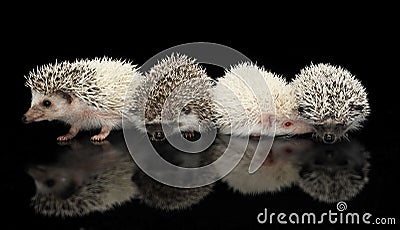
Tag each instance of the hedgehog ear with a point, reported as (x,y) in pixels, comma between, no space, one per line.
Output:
(66,96)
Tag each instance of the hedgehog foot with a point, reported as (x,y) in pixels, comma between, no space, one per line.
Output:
(105,131)
(71,134)
(189,135)
(65,137)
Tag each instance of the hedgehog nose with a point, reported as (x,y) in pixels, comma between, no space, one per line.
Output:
(24,119)
(158,135)
(329,138)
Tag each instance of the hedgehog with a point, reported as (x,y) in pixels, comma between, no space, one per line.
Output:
(334,172)
(86,94)
(331,100)
(164,197)
(279,170)
(174,92)
(84,179)
(241,114)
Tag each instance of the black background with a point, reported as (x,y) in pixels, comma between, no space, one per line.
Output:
(362,40)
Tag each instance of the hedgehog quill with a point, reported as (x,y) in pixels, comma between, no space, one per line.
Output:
(86,94)
(330,99)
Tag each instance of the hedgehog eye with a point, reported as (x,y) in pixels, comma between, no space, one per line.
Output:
(186,110)
(358,107)
(288,123)
(46,103)
(288,150)
(50,183)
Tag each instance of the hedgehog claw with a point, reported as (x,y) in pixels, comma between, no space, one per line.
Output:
(64,138)
(188,135)
(71,134)
(63,142)
(98,138)
(105,131)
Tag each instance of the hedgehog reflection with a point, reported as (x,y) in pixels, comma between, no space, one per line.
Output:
(86,178)
(278,171)
(90,178)
(328,173)
(94,178)
(161,196)
(332,173)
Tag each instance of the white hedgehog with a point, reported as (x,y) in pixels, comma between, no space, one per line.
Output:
(242,115)
(87,94)
(176,90)
(330,99)
(279,170)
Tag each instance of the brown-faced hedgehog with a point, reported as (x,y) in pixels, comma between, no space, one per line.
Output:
(175,92)
(86,94)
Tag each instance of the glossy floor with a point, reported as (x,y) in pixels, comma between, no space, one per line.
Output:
(85,185)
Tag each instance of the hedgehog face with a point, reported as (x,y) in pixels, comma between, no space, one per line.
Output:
(334,172)
(186,121)
(174,114)
(335,123)
(330,130)
(60,183)
(48,107)
(155,132)
(286,126)
(189,119)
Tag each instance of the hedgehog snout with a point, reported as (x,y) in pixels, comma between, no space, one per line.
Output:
(329,138)
(158,135)
(32,115)
(24,119)
(155,132)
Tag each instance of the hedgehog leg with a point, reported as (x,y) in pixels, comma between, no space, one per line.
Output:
(105,131)
(71,133)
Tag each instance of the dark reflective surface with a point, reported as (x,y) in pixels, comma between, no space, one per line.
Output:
(92,185)
(86,177)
